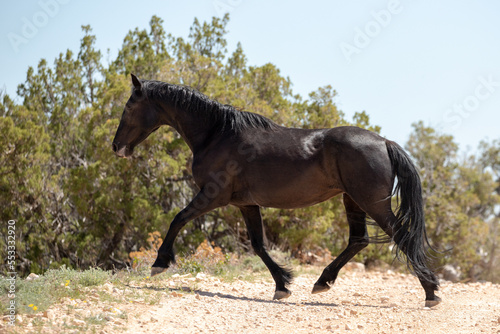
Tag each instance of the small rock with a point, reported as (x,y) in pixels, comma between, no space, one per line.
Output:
(384,299)
(201,276)
(108,287)
(78,322)
(32,277)
(348,327)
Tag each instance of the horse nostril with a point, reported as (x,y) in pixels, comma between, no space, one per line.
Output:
(115,147)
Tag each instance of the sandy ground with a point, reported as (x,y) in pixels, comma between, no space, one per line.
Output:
(359,302)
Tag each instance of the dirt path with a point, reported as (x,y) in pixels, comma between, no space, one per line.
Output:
(361,302)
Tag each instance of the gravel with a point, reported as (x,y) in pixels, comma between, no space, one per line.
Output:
(359,302)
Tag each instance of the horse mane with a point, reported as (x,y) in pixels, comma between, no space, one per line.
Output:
(224,116)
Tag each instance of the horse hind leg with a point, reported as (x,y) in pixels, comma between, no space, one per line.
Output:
(358,239)
(388,222)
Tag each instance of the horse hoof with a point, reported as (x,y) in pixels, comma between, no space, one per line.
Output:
(281,294)
(157,270)
(431,303)
(320,288)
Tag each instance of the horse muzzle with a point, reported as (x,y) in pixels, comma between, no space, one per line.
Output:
(122,151)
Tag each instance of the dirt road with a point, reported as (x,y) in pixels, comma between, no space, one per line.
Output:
(360,302)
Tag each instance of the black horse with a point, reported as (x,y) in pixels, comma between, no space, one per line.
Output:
(246,160)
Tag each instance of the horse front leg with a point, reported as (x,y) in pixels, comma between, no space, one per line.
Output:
(281,276)
(201,204)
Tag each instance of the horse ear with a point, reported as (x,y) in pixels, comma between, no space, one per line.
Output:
(136,82)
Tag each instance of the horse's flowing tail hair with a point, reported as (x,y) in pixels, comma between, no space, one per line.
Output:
(409,231)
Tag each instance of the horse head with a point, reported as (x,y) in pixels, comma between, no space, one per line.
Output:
(139,120)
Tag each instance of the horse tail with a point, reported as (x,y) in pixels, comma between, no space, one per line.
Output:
(409,232)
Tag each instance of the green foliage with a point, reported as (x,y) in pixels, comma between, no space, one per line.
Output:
(23,155)
(77,206)
(460,199)
(187,265)
(51,287)
(254,263)
(89,277)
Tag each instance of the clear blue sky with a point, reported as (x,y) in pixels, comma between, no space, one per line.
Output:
(400,61)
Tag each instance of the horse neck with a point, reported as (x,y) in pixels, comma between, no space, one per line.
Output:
(195,130)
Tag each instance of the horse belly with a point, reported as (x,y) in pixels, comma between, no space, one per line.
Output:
(291,188)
